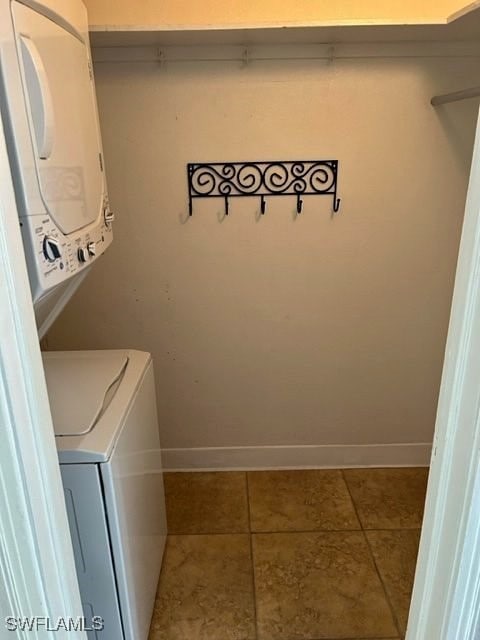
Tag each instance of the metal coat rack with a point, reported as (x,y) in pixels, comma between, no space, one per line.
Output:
(264,180)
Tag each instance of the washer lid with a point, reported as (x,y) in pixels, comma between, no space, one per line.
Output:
(80,393)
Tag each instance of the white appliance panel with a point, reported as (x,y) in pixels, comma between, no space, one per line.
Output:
(50,305)
(60,96)
(133,485)
(91,548)
(66,370)
(85,395)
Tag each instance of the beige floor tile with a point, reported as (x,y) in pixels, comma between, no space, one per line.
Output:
(206,502)
(300,501)
(205,590)
(388,498)
(318,585)
(395,554)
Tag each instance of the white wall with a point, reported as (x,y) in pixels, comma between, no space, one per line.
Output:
(284,331)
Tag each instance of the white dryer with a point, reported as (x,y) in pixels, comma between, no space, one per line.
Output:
(104,413)
(49,113)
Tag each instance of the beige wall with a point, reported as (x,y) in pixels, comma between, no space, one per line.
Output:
(185,13)
(283,331)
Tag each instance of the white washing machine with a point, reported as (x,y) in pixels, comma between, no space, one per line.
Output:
(104,413)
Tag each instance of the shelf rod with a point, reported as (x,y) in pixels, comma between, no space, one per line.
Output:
(474,92)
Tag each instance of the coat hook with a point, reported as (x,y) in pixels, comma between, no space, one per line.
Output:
(263,205)
(299,204)
(160,56)
(226,205)
(336,204)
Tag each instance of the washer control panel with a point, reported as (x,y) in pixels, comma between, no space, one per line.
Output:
(60,257)
(51,248)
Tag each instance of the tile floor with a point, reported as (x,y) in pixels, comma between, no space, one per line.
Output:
(289,555)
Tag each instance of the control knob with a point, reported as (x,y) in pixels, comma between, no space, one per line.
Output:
(92,249)
(82,254)
(51,248)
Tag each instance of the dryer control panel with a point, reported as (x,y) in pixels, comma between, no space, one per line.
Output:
(59,257)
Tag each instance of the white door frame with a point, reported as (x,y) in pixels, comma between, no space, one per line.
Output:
(37,571)
(446,597)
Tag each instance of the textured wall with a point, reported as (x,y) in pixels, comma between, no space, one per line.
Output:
(283,330)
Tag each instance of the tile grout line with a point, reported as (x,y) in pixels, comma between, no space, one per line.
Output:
(392,608)
(372,557)
(250,538)
(239,531)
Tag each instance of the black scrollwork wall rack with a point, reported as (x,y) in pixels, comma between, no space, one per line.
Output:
(263,179)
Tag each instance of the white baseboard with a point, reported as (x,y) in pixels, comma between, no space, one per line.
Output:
(297,457)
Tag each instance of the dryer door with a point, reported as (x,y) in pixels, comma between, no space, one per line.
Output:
(59,91)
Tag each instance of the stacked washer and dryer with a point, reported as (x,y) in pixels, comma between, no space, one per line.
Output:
(102,402)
